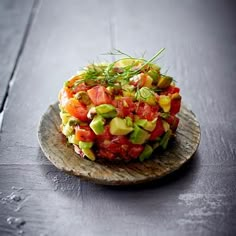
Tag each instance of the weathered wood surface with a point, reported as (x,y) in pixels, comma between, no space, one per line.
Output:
(180,150)
(199,199)
(14,24)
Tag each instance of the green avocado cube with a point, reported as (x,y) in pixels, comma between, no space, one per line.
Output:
(154,74)
(67,129)
(147,125)
(147,95)
(118,126)
(89,153)
(106,110)
(64,117)
(129,121)
(164,81)
(147,152)
(139,136)
(97,124)
(83,144)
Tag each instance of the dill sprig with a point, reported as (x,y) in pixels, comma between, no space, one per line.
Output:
(116,52)
(153,58)
(107,75)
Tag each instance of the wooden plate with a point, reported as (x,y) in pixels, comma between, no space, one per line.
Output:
(64,158)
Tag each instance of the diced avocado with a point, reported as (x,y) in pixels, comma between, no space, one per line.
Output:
(147,152)
(106,110)
(148,81)
(165,102)
(72,139)
(165,139)
(139,136)
(154,74)
(64,117)
(85,145)
(97,124)
(166,126)
(147,95)
(89,153)
(128,90)
(156,68)
(118,126)
(164,81)
(67,129)
(147,125)
(129,121)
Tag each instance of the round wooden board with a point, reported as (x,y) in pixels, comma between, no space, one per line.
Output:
(162,163)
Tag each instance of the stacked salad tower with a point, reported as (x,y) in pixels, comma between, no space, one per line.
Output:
(119,111)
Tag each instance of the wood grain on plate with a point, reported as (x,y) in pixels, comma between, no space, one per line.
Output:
(63,156)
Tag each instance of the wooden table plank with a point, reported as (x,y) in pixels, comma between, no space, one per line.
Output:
(55,203)
(57,48)
(200,52)
(197,200)
(14,20)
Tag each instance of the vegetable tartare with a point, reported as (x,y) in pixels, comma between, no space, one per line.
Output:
(123,110)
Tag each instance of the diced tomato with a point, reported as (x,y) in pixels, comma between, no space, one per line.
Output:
(119,146)
(99,95)
(175,106)
(146,111)
(81,87)
(135,150)
(84,133)
(115,143)
(106,135)
(124,106)
(103,153)
(76,109)
(158,131)
(170,90)
(173,121)
(64,95)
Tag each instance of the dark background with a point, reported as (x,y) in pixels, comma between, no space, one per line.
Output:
(42,43)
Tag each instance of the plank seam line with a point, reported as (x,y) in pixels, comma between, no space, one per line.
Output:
(18,57)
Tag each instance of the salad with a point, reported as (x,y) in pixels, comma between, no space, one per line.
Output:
(122,110)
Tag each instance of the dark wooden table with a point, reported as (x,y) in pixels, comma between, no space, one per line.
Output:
(42,43)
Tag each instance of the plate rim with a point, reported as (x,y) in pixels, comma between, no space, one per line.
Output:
(104,181)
